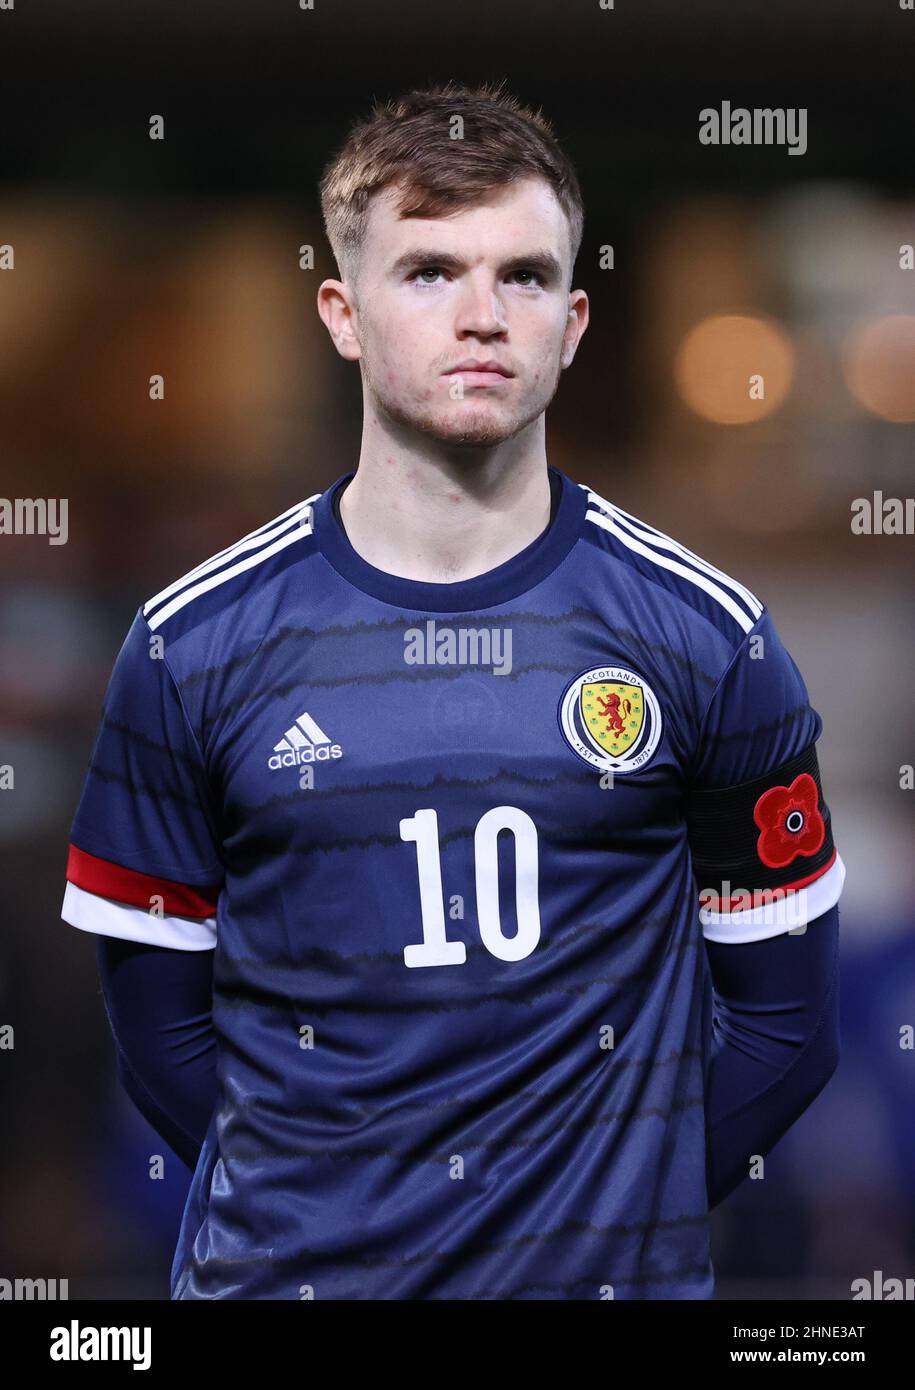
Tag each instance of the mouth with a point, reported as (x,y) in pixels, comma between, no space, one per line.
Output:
(473,373)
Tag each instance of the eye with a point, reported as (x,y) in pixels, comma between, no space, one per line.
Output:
(429,274)
(426,270)
(535,277)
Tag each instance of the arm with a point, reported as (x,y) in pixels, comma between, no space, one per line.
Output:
(158,1001)
(774,1045)
(760,834)
(144,875)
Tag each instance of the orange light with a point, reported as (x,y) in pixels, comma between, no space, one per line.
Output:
(734,369)
(879,362)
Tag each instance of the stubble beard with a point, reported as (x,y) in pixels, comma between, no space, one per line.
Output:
(460,427)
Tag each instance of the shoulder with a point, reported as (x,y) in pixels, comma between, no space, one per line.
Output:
(233,574)
(655,558)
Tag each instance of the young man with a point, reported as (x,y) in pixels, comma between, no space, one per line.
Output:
(401,807)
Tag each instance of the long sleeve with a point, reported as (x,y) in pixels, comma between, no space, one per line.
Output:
(144,861)
(159,1005)
(774,1044)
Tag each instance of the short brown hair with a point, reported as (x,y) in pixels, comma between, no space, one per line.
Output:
(406,143)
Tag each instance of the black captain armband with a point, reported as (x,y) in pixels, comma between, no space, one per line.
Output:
(772,833)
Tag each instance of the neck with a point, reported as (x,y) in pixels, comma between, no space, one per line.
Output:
(436,513)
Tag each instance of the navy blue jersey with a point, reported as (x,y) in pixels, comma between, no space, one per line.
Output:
(455,847)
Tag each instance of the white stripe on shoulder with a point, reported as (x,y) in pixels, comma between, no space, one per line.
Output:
(653,536)
(609,524)
(630,527)
(262,534)
(298,517)
(205,585)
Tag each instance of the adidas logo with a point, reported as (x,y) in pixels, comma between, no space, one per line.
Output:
(303,742)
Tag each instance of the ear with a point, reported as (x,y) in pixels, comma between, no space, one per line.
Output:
(337,308)
(576,323)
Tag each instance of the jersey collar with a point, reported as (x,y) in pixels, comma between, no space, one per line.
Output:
(513,577)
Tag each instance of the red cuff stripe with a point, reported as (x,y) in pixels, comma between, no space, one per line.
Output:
(762,897)
(110,880)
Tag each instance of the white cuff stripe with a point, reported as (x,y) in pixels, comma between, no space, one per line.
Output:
(106,917)
(794,910)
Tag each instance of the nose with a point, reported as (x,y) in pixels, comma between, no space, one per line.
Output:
(480,310)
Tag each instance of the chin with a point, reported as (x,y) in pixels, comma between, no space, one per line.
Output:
(473,428)
(479,434)
(463,424)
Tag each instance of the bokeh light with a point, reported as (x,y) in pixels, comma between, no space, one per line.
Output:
(734,369)
(879,362)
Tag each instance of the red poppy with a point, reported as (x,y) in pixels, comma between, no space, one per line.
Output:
(790,822)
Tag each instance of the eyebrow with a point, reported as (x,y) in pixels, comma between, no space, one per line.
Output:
(543,261)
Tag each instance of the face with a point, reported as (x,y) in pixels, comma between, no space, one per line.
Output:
(462,324)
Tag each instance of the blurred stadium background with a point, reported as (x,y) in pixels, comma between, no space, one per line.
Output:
(182,257)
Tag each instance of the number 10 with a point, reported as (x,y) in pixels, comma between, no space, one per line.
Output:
(435,948)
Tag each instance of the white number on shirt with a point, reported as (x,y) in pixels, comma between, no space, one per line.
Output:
(436,949)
